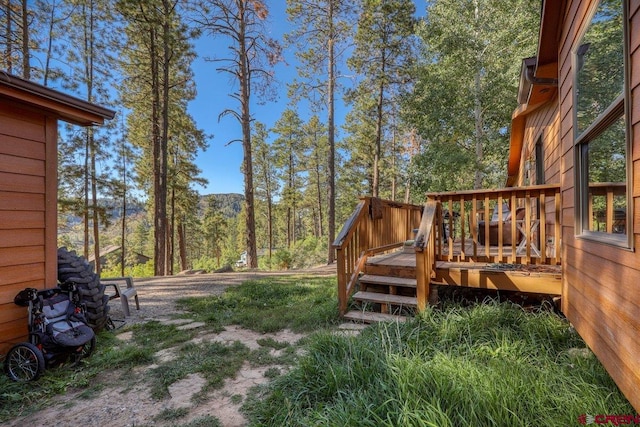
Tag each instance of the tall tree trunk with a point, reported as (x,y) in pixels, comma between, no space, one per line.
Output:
(320,228)
(159,191)
(85,208)
(291,213)
(95,220)
(164,140)
(477,110)
(269,221)
(245,119)
(172,230)
(26,65)
(378,147)
(394,173)
(89,53)
(9,36)
(331,135)
(182,246)
(47,60)
(123,230)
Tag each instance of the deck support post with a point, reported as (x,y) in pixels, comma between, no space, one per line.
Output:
(342,282)
(423,276)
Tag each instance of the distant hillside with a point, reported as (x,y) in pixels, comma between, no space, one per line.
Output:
(229,204)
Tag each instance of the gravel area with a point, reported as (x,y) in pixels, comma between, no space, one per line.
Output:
(126,401)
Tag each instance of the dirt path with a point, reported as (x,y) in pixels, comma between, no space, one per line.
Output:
(124,402)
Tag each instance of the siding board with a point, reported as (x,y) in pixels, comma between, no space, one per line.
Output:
(22,183)
(8,292)
(17,220)
(18,274)
(21,165)
(25,237)
(13,201)
(21,147)
(21,255)
(13,332)
(20,123)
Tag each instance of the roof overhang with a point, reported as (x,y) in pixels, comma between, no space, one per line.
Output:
(65,107)
(538,80)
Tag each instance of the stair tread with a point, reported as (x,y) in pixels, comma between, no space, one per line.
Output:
(385,298)
(371,317)
(386,280)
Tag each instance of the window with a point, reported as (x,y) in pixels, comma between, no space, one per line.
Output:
(539,162)
(601,144)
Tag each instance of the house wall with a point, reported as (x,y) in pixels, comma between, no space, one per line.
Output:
(28,191)
(543,123)
(600,295)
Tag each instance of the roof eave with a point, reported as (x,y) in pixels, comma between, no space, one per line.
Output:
(66,107)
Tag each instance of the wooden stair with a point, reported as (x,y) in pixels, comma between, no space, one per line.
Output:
(372,317)
(387,289)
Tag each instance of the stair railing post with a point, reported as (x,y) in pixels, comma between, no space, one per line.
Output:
(425,245)
(342,281)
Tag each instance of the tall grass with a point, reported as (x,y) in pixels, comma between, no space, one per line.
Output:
(300,303)
(489,365)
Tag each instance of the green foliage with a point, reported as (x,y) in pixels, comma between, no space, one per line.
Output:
(382,58)
(170,414)
(492,364)
(137,270)
(271,304)
(282,259)
(309,252)
(206,263)
(465,90)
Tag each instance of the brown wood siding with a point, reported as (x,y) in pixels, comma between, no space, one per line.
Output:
(600,295)
(543,123)
(27,206)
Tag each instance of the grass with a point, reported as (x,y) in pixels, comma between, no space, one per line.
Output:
(299,303)
(489,365)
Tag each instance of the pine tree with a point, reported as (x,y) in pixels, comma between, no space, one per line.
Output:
(266,185)
(316,142)
(242,24)
(289,149)
(382,57)
(156,62)
(17,22)
(322,32)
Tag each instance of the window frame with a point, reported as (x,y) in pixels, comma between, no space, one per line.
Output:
(620,107)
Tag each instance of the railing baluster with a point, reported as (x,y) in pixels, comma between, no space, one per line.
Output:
(542,229)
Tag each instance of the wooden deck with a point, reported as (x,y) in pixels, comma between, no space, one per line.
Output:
(405,250)
(544,279)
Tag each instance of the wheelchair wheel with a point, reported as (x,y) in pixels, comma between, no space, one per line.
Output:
(24,362)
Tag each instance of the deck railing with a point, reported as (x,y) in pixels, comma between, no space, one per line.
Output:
(376,226)
(516,225)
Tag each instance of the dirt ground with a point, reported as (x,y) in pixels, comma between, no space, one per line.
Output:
(128,403)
